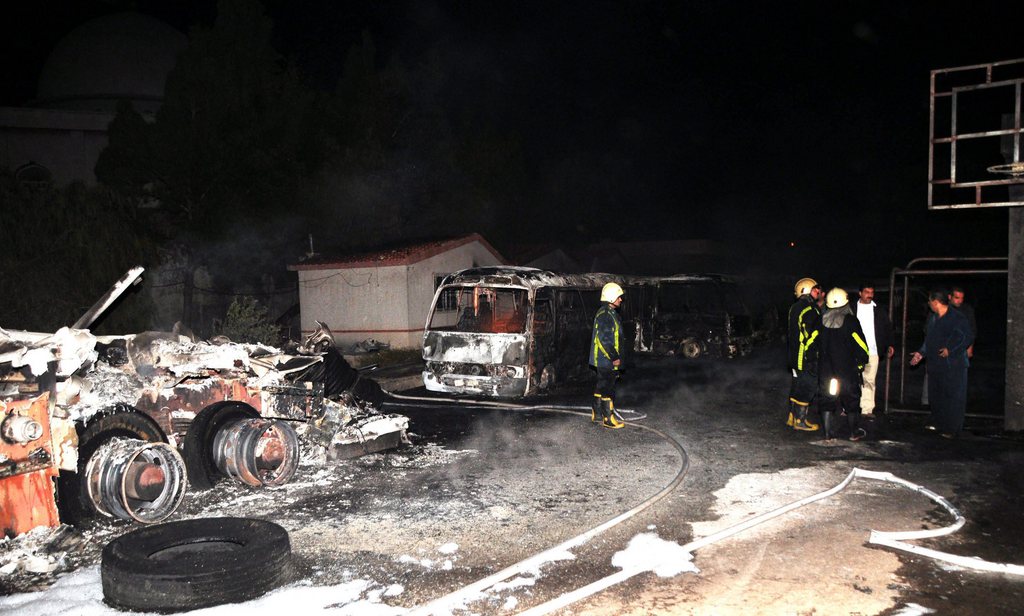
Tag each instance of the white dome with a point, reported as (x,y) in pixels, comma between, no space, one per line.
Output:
(114,57)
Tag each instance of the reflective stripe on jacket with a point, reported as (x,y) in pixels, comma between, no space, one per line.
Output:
(841,344)
(803,324)
(604,344)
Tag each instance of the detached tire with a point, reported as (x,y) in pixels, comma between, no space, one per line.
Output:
(193,564)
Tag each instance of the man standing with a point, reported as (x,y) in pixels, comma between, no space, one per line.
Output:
(803,354)
(605,356)
(945,348)
(843,352)
(956,300)
(878,335)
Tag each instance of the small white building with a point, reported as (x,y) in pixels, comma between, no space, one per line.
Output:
(386,295)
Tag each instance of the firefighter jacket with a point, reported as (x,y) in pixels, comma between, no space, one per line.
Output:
(605,344)
(803,325)
(842,348)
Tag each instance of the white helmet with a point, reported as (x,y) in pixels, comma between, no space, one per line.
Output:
(611,292)
(804,286)
(836,298)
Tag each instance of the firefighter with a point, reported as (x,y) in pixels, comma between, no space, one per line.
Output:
(843,353)
(605,356)
(803,353)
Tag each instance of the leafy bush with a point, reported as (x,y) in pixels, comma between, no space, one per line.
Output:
(247,321)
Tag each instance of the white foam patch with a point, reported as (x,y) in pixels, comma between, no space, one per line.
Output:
(913,609)
(648,552)
(449,548)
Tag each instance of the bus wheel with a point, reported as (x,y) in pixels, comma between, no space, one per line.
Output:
(118,422)
(547,378)
(198,441)
(691,349)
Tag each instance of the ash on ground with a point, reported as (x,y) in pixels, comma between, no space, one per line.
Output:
(35,560)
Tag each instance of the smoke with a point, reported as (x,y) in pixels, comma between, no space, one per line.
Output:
(685,387)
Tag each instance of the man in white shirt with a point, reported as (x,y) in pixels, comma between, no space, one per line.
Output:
(878,334)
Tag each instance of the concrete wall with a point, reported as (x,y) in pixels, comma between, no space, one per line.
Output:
(357,303)
(67,143)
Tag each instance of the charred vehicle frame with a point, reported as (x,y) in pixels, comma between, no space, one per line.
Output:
(120,425)
(510,332)
(697,315)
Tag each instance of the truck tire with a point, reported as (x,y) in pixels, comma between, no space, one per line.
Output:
(197,446)
(193,564)
(120,421)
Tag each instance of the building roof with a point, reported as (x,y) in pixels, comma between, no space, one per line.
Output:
(399,255)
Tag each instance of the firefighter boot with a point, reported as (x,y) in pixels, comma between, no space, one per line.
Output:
(596,413)
(856,432)
(802,423)
(826,425)
(792,414)
(611,418)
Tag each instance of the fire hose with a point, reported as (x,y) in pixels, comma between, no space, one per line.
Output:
(892,539)
(444,605)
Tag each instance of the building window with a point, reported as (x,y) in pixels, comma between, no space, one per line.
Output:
(449,300)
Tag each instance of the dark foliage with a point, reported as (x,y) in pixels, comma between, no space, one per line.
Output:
(63,249)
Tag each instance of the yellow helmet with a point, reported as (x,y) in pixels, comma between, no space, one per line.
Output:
(836,298)
(804,286)
(611,292)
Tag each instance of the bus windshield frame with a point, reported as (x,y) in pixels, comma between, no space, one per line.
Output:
(481,310)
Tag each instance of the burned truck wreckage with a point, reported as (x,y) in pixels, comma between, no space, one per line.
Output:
(512,332)
(121,425)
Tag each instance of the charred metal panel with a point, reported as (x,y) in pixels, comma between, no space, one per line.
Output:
(27,501)
(485,349)
(27,466)
(28,450)
(480,364)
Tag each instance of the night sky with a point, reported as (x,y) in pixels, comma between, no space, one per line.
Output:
(751,123)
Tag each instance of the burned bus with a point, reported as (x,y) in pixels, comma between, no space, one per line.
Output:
(696,316)
(512,332)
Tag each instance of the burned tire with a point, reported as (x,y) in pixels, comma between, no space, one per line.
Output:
(198,442)
(368,390)
(193,564)
(121,421)
(691,349)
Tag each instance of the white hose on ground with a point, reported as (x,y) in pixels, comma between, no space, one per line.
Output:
(893,539)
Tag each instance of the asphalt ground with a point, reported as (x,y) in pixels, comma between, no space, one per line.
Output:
(481,489)
(729,415)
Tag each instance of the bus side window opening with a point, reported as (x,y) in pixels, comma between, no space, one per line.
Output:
(542,314)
